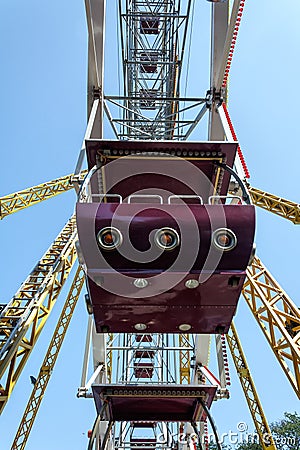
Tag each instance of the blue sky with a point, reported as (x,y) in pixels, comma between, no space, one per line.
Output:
(42,118)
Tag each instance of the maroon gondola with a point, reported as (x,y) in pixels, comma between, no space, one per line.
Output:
(162,249)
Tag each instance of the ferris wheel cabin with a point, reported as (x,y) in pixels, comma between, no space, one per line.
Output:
(165,249)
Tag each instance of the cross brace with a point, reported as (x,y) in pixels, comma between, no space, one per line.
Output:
(257,413)
(278,318)
(184,357)
(277,205)
(20,200)
(48,364)
(23,318)
(12,203)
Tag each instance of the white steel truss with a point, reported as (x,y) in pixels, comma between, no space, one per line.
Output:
(153,40)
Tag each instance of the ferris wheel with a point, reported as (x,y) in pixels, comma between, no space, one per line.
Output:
(151,380)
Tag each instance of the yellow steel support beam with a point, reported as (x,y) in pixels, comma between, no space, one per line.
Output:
(277,316)
(109,358)
(277,205)
(256,410)
(20,200)
(47,366)
(23,318)
(184,357)
(23,199)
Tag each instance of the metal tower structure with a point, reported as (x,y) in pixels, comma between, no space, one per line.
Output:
(153,40)
(153,45)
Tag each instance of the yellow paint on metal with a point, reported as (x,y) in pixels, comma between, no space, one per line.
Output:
(277,205)
(17,201)
(48,364)
(277,316)
(184,357)
(256,410)
(23,318)
(109,358)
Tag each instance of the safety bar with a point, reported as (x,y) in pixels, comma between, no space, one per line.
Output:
(159,197)
(185,196)
(217,199)
(101,196)
(83,194)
